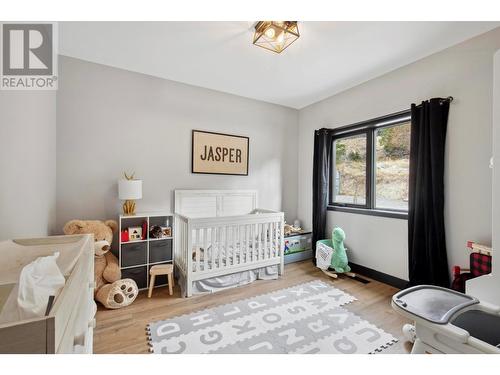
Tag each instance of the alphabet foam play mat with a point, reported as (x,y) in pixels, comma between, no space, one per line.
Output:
(306,318)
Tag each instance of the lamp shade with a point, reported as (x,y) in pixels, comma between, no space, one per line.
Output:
(130,189)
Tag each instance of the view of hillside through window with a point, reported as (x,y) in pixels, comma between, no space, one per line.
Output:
(392,163)
(350,170)
(392,160)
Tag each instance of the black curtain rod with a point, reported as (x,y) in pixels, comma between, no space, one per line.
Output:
(447,99)
(442,100)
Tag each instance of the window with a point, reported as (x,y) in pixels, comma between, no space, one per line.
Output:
(370,169)
(392,166)
(350,170)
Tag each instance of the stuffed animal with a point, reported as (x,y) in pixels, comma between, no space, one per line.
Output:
(155,232)
(112,292)
(339,256)
(289,229)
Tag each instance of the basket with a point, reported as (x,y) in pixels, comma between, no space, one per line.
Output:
(324,252)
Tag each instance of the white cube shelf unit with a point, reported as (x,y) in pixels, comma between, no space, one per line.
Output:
(136,257)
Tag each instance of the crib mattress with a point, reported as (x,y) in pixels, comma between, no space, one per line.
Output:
(232,254)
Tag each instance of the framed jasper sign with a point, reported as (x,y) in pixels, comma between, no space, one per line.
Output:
(217,153)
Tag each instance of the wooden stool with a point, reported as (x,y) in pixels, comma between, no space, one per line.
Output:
(160,270)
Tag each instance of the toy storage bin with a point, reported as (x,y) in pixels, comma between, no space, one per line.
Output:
(138,274)
(297,243)
(133,254)
(160,251)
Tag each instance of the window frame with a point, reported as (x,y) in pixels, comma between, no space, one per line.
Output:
(369,128)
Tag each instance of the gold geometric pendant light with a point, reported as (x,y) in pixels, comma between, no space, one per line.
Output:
(275,35)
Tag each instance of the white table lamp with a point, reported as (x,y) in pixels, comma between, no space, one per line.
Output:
(129,190)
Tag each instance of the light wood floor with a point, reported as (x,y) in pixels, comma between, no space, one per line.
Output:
(124,331)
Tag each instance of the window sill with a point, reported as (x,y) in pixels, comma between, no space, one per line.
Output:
(370,212)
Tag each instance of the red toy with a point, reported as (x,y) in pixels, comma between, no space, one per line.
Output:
(124,235)
(144,229)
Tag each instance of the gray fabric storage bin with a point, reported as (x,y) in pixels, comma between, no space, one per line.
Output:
(160,251)
(138,274)
(134,254)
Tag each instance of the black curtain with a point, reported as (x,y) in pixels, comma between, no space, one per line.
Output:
(321,179)
(428,262)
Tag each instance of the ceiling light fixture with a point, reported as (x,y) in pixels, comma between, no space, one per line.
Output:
(275,35)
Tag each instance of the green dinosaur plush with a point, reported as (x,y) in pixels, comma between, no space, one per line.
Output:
(339,257)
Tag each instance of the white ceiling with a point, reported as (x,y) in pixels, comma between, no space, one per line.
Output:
(329,57)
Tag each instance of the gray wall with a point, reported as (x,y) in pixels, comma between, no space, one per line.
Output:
(464,71)
(111,120)
(27,163)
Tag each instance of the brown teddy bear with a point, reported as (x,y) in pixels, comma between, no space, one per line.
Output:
(109,290)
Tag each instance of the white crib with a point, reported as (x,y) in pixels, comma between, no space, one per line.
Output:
(221,232)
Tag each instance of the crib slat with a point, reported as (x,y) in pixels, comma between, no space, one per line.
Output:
(205,249)
(239,245)
(255,239)
(213,241)
(259,242)
(263,240)
(266,241)
(235,250)
(233,241)
(246,248)
(220,246)
(266,232)
(241,238)
(226,246)
(277,244)
(181,244)
(271,240)
(270,233)
(230,245)
(197,247)
(253,234)
(229,250)
(184,245)
(213,244)
(247,243)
